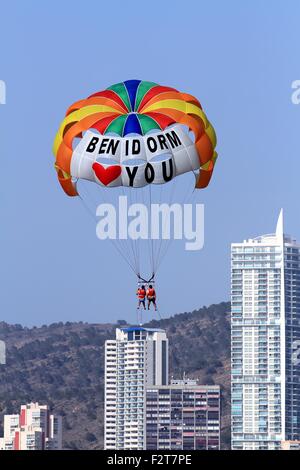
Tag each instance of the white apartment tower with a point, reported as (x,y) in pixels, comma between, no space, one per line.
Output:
(136,359)
(265,340)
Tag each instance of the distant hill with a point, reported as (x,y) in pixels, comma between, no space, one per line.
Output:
(63,365)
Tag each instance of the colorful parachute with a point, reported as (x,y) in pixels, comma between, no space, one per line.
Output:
(135,135)
(132,135)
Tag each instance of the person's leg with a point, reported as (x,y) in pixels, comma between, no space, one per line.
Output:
(148,304)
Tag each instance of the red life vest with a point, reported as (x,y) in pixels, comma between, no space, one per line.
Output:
(141,294)
(150,293)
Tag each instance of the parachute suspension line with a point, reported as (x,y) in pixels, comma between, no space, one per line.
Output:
(143,193)
(128,261)
(139,316)
(161,240)
(156,247)
(159,314)
(173,185)
(151,240)
(115,246)
(188,195)
(164,248)
(145,199)
(121,243)
(129,243)
(136,242)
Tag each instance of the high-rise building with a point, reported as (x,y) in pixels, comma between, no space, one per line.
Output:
(265,338)
(137,358)
(11,424)
(183,416)
(33,429)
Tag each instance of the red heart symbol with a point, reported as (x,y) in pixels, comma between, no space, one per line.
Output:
(106,175)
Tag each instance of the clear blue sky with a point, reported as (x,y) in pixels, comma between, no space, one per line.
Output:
(238,58)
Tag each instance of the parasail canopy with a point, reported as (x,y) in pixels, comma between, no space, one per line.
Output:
(137,136)
(133,134)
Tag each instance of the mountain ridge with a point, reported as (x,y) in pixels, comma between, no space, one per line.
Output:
(62,364)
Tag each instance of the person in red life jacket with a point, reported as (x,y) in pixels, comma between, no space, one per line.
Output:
(141,294)
(151,296)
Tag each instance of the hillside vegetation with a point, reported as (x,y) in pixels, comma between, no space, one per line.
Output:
(63,365)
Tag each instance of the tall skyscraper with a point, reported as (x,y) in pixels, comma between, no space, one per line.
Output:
(137,358)
(265,340)
(33,429)
(183,416)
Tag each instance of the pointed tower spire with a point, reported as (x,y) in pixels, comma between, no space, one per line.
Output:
(279,226)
